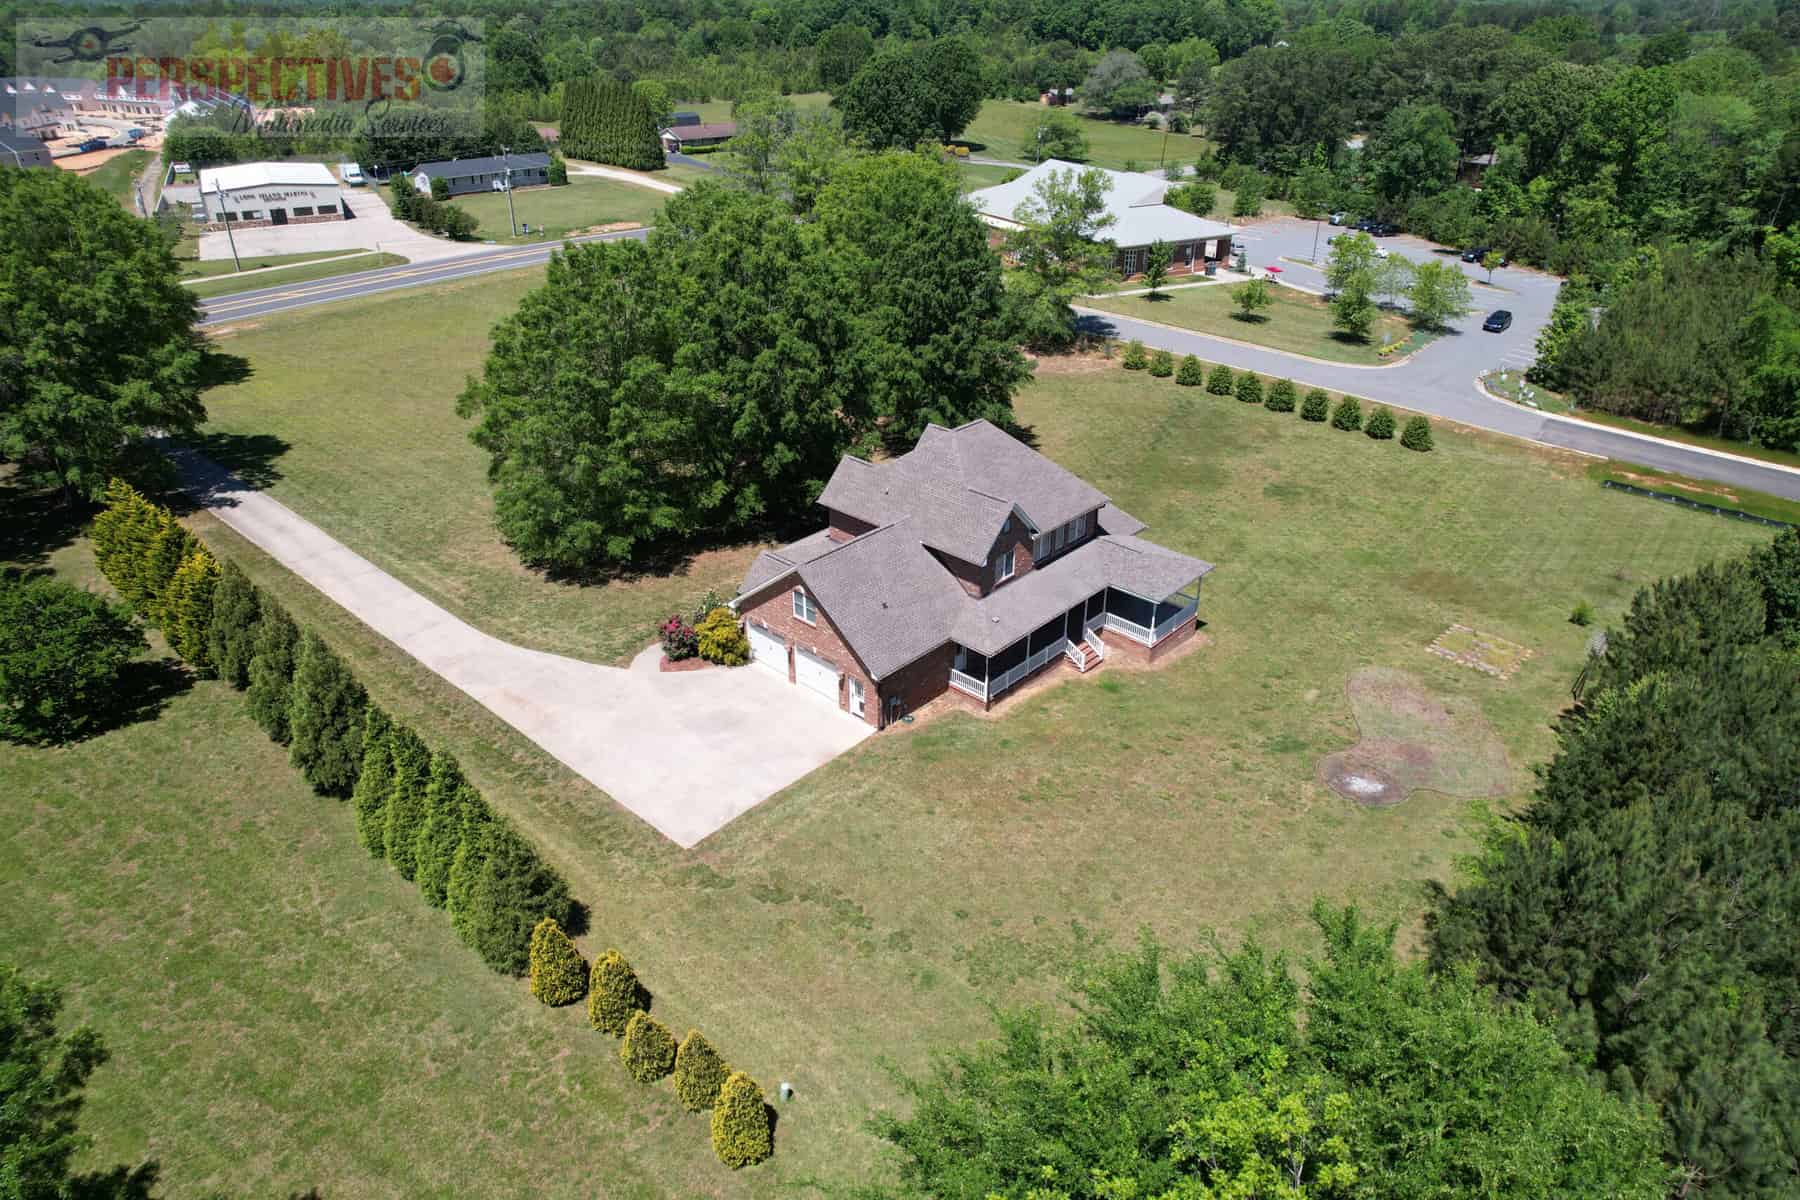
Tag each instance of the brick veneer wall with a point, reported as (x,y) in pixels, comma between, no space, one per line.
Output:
(775,612)
(920,681)
(1020,540)
(265,223)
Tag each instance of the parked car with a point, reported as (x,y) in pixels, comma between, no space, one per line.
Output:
(1339,218)
(1499,321)
(351,174)
(97,143)
(1382,229)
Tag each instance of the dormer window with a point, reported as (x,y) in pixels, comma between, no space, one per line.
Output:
(1003,565)
(804,608)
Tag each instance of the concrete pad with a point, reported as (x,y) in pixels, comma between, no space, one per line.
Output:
(687,752)
(373,227)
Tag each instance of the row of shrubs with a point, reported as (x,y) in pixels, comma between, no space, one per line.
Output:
(431,213)
(617,1003)
(413,805)
(1280,396)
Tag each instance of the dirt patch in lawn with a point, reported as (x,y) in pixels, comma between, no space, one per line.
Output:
(1479,651)
(1663,482)
(1413,741)
(1073,364)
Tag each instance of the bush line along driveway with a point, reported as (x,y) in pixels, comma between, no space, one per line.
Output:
(686,752)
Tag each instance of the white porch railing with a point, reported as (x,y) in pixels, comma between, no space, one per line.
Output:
(1169,624)
(1143,634)
(990,688)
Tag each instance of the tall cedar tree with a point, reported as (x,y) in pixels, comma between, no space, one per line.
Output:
(604,121)
(374,781)
(231,633)
(512,891)
(406,800)
(122,533)
(168,549)
(325,719)
(465,868)
(272,670)
(440,834)
(187,609)
(97,340)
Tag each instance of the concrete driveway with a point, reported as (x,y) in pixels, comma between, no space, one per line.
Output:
(687,752)
(372,226)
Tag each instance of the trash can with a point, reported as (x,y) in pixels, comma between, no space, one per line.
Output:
(1212,268)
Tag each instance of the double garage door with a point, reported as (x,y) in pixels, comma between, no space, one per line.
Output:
(810,671)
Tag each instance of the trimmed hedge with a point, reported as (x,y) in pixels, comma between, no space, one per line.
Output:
(1316,406)
(1282,397)
(614,993)
(1249,388)
(1192,373)
(648,1050)
(1162,364)
(1348,414)
(1135,358)
(741,1133)
(1381,424)
(1220,382)
(1417,434)
(559,974)
(699,1073)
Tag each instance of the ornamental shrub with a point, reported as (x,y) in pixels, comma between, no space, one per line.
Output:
(558,173)
(721,639)
(1417,434)
(406,800)
(1192,373)
(187,605)
(1135,358)
(1347,414)
(1316,406)
(741,1134)
(1162,364)
(1220,382)
(62,650)
(231,632)
(699,1073)
(440,189)
(614,993)
(679,641)
(1582,614)
(559,974)
(1249,388)
(325,718)
(512,889)
(440,834)
(1281,397)
(648,1050)
(272,670)
(1381,424)
(374,781)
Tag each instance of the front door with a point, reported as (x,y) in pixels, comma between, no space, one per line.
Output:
(856,698)
(278,216)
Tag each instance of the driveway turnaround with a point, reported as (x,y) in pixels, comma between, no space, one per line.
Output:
(1440,379)
(372,226)
(687,752)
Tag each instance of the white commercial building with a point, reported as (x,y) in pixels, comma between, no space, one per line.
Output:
(270,193)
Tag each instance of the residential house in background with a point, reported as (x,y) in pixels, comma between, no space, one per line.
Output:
(1141,218)
(465,175)
(16,151)
(678,139)
(961,568)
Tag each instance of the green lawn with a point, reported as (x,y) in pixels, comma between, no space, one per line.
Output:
(714,112)
(1704,491)
(196,268)
(327,269)
(553,212)
(1003,129)
(116,174)
(1295,321)
(981,175)
(859,917)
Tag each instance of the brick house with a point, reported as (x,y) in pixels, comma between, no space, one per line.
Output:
(962,567)
(1140,218)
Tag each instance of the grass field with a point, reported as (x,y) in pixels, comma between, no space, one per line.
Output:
(713,112)
(115,176)
(1296,322)
(859,917)
(327,269)
(1704,491)
(1003,130)
(194,268)
(553,212)
(982,175)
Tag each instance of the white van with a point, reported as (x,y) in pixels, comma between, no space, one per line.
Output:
(351,174)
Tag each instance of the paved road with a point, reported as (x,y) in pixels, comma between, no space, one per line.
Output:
(241,306)
(1440,379)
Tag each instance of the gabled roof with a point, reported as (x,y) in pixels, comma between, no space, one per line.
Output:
(491,164)
(1134,200)
(696,133)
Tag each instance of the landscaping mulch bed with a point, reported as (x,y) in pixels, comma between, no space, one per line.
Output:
(686,664)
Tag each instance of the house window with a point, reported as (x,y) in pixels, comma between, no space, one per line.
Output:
(804,608)
(1062,531)
(1003,566)
(1077,528)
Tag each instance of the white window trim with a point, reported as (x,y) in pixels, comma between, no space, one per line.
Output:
(1005,565)
(804,604)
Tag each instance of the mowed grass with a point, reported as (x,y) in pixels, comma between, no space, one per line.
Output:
(328,269)
(1004,129)
(860,916)
(283,1012)
(195,268)
(553,212)
(714,112)
(117,174)
(983,175)
(1295,321)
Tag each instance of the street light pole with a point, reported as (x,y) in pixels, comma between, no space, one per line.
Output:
(506,163)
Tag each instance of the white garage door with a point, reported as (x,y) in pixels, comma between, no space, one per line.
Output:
(817,674)
(768,650)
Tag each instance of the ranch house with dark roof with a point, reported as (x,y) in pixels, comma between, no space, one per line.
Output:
(961,568)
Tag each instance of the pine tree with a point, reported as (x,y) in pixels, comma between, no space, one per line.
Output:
(613,994)
(699,1073)
(1381,424)
(440,833)
(559,975)
(1281,397)
(374,781)
(325,717)
(512,891)
(1220,382)
(187,609)
(1348,414)
(648,1050)
(1135,358)
(1162,364)
(465,868)
(1249,388)
(231,634)
(406,800)
(605,121)
(272,670)
(1417,434)
(741,1133)
(1192,372)
(1316,406)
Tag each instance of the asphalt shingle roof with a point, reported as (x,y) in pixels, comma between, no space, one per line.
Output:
(457,168)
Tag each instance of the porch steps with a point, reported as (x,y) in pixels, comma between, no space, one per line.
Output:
(1084,656)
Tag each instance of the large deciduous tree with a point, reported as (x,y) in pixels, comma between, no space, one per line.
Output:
(61,654)
(1119,86)
(889,105)
(1413,153)
(1061,252)
(97,340)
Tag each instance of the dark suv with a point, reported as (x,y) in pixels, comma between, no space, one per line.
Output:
(1499,321)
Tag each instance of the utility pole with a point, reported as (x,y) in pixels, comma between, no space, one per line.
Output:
(506,163)
(1315,253)
(219,191)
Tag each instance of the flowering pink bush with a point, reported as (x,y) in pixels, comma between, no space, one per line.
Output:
(679,640)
